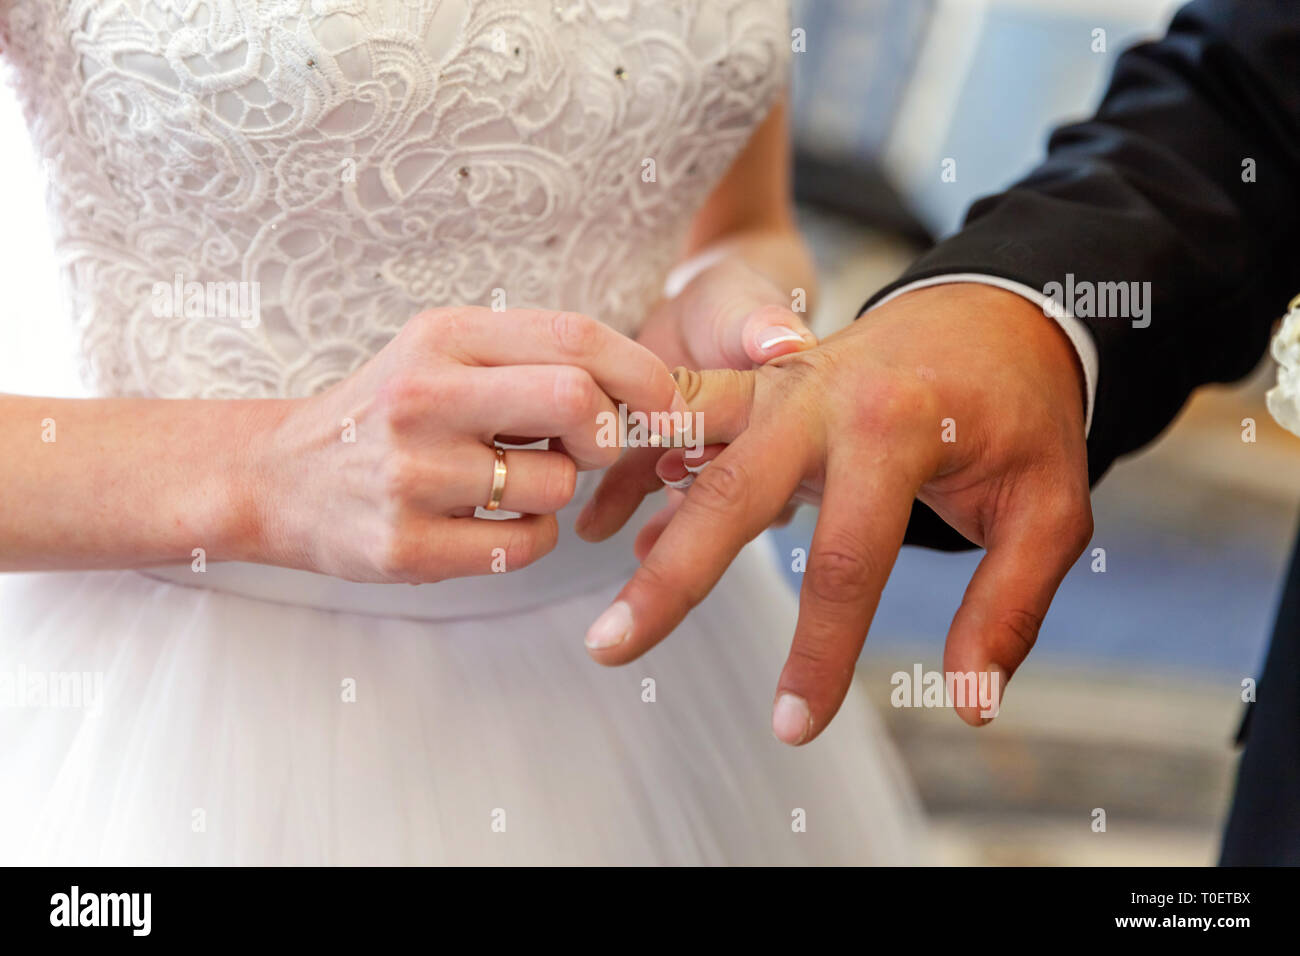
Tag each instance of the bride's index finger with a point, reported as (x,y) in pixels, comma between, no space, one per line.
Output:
(720,403)
(625,371)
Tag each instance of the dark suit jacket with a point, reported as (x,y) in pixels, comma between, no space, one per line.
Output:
(1155,188)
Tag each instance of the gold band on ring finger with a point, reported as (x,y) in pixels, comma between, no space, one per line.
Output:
(498,481)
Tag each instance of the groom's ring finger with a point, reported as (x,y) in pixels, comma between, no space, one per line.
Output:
(536,482)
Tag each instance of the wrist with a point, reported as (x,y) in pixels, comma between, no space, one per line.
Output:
(255,526)
(1053,348)
(773,262)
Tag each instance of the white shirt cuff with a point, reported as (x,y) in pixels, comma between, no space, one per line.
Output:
(1074,330)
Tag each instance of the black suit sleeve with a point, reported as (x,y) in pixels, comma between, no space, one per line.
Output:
(1154,188)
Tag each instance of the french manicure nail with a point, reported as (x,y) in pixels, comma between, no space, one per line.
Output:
(612,628)
(791,719)
(777,335)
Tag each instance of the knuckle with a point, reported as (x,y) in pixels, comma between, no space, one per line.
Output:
(525,545)
(406,399)
(1080,532)
(889,402)
(1071,520)
(560,482)
(399,558)
(575,335)
(1083,526)
(439,324)
(798,366)
(839,572)
(810,657)
(574,393)
(824,665)
(802,378)
(723,486)
(398,394)
(1022,625)
(677,591)
(402,476)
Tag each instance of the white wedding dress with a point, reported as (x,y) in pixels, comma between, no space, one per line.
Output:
(361,160)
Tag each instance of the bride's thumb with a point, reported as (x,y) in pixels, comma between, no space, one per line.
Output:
(773,331)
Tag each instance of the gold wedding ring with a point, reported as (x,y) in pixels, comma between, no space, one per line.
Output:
(498,482)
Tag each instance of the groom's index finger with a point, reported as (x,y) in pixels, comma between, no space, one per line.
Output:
(731,502)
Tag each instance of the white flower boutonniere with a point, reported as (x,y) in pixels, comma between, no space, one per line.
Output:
(1284,398)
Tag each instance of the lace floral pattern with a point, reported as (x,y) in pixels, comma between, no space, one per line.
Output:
(360,160)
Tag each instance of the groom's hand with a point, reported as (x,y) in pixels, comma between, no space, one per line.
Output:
(963,396)
(729,315)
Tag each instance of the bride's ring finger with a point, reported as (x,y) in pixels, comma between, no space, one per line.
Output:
(536,482)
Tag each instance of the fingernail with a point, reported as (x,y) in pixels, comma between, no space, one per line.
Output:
(674,423)
(991,695)
(777,335)
(791,719)
(611,628)
(681,484)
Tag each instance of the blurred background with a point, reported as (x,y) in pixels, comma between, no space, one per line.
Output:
(1132,698)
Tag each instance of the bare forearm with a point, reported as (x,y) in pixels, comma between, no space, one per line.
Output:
(102,483)
(751,213)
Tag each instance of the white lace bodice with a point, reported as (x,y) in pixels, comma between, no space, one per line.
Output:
(356,161)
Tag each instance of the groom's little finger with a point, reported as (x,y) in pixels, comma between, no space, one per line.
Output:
(622,488)
(648,535)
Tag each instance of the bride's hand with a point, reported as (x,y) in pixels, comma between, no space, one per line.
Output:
(377,478)
(965,397)
(729,315)
(732,315)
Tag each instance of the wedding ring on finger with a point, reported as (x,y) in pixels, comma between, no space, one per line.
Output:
(498,481)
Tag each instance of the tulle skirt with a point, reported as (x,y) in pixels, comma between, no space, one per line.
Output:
(229,729)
